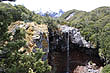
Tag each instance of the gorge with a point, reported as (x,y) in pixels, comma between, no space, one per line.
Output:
(67,46)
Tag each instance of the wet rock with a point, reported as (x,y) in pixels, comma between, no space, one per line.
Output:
(80,51)
(59,38)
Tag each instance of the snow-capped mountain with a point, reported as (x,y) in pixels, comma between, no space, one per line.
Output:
(50,13)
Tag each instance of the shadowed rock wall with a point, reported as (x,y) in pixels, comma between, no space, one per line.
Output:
(83,57)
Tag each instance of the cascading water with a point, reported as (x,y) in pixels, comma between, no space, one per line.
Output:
(67,52)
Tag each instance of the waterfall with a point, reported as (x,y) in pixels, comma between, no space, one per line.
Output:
(70,52)
(67,52)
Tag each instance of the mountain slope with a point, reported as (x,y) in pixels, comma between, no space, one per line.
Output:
(94,26)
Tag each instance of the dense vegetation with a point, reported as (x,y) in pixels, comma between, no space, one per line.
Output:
(95,27)
(11,59)
(106,69)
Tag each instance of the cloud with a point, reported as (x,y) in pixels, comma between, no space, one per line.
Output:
(86,5)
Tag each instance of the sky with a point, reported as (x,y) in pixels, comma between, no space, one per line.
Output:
(65,5)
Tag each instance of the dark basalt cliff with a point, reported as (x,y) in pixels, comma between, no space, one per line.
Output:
(69,50)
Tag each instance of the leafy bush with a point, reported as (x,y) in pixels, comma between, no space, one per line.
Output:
(15,61)
(106,69)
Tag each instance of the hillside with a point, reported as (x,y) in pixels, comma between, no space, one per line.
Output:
(24,35)
(94,26)
(81,18)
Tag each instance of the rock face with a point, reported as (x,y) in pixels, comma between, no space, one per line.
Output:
(36,35)
(58,39)
(78,61)
(81,52)
(62,45)
(74,35)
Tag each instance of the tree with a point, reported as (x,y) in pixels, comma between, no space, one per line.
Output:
(15,61)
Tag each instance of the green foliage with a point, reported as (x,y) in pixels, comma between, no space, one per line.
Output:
(95,27)
(15,61)
(11,59)
(66,14)
(22,63)
(23,13)
(106,69)
(20,34)
(9,13)
(38,19)
(51,22)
